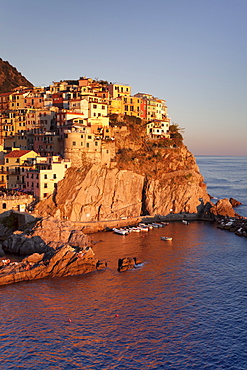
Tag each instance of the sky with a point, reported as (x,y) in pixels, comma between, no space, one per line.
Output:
(192,53)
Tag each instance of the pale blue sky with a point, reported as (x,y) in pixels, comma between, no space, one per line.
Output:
(192,53)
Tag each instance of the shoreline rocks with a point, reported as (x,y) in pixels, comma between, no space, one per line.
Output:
(237,226)
(65,261)
(128,263)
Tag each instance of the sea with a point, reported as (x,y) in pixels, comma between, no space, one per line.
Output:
(184,307)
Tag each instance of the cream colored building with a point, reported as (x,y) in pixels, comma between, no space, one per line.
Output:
(42,179)
(82,145)
(79,106)
(158,128)
(97,107)
(116,90)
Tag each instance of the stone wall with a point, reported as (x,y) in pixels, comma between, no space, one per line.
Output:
(15,202)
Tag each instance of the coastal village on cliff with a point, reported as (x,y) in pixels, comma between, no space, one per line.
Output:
(85,155)
(44,131)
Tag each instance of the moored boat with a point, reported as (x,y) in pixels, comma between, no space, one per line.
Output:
(120,231)
(166,238)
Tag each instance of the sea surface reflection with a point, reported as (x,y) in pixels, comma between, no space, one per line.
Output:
(185,308)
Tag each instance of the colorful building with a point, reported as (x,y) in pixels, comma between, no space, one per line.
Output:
(15,164)
(42,178)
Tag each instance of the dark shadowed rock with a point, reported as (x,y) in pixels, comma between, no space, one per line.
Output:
(23,244)
(1,252)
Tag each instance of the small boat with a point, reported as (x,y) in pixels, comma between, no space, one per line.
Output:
(166,238)
(160,224)
(135,229)
(155,224)
(185,222)
(142,228)
(120,231)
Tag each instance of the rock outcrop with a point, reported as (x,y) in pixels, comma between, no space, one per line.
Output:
(161,185)
(54,248)
(45,235)
(64,261)
(223,207)
(128,263)
(234,202)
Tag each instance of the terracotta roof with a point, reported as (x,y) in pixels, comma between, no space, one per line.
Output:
(17,153)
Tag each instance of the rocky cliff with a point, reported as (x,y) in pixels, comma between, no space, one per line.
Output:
(11,78)
(137,183)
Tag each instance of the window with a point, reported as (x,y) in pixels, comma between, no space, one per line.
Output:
(94,106)
(17,160)
(74,143)
(4,205)
(96,143)
(7,160)
(103,107)
(45,176)
(81,136)
(44,195)
(45,185)
(89,137)
(87,145)
(126,107)
(54,176)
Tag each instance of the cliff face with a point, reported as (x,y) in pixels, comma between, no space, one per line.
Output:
(167,182)
(11,78)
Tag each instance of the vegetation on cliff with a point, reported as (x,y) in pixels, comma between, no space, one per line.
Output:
(146,177)
(10,78)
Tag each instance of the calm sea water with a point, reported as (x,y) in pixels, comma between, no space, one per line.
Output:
(226,177)
(185,308)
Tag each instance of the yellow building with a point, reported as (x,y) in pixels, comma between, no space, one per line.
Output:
(131,106)
(17,100)
(115,106)
(15,164)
